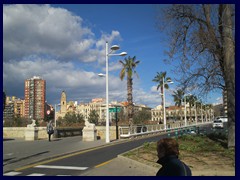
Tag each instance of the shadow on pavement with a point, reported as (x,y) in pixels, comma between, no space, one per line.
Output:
(8,139)
(10,161)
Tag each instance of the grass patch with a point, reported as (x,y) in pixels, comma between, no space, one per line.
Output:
(188,144)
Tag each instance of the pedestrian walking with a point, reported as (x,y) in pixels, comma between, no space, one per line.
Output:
(168,152)
(50,130)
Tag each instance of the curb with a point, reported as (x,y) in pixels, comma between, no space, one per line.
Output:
(133,163)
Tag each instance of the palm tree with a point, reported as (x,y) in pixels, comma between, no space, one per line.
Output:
(129,64)
(207,108)
(178,97)
(159,79)
(198,106)
(191,100)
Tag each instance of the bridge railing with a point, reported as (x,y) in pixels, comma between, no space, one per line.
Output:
(136,130)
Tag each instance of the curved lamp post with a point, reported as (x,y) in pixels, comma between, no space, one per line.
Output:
(113,48)
(185,108)
(164,108)
(55,115)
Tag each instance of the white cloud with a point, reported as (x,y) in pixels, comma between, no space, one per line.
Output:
(154,89)
(46,41)
(77,83)
(39,40)
(44,30)
(219,100)
(80,85)
(107,38)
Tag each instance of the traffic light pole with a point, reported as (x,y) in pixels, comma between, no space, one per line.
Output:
(116,123)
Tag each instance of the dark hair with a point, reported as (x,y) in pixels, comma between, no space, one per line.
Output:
(169,146)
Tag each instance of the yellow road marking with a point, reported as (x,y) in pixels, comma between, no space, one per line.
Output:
(74,154)
(62,157)
(104,163)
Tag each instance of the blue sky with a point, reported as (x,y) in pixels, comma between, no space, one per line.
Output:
(65,45)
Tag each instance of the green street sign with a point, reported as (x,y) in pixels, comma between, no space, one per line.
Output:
(118,109)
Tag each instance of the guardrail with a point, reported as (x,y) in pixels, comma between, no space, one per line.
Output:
(136,130)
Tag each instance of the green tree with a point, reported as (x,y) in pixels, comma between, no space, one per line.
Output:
(191,100)
(141,117)
(72,118)
(128,67)
(178,98)
(60,121)
(93,117)
(161,79)
(16,121)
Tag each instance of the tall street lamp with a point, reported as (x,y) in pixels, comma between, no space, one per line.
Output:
(185,108)
(185,111)
(113,48)
(55,120)
(200,101)
(201,112)
(195,104)
(206,112)
(164,108)
(55,117)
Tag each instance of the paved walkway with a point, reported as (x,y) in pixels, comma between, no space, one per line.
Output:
(18,153)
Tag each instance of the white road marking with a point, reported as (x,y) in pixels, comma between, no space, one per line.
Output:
(12,173)
(61,167)
(36,174)
(63,175)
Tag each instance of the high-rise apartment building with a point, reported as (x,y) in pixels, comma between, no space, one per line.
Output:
(14,107)
(225,101)
(35,96)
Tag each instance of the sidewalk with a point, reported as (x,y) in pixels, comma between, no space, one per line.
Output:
(122,166)
(18,153)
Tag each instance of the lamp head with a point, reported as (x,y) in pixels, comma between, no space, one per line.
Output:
(170,81)
(101,75)
(123,53)
(115,47)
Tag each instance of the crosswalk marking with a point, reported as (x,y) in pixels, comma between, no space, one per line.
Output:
(63,175)
(12,173)
(61,167)
(36,174)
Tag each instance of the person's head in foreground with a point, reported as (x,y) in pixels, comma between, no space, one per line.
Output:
(168,151)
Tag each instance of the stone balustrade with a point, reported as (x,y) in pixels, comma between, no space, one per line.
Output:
(19,132)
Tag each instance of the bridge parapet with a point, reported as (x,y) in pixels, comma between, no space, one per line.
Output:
(137,130)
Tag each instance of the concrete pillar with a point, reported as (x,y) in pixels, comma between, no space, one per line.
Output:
(89,133)
(31,133)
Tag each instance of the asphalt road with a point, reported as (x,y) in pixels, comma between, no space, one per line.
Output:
(77,163)
(85,159)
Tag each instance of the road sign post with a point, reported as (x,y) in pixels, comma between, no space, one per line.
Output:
(116,121)
(48,114)
(115,109)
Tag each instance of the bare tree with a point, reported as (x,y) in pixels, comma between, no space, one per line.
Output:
(229,69)
(202,42)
